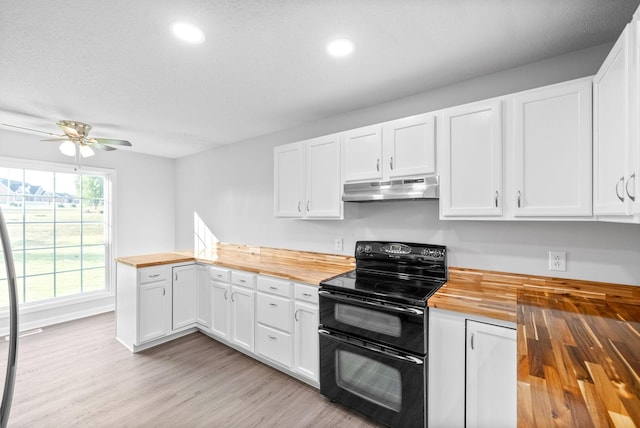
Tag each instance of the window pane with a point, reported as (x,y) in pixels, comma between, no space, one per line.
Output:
(39,287)
(66,211)
(93,210)
(15,235)
(38,210)
(93,256)
(38,183)
(93,280)
(68,283)
(68,259)
(92,233)
(10,181)
(18,258)
(68,234)
(39,235)
(13,210)
(38,261)
(67,187)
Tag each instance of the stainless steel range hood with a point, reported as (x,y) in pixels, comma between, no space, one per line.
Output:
(411,188)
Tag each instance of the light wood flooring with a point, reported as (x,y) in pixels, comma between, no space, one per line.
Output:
(77,374)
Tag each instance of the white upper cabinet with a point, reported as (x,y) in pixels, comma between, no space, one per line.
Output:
(615,135)
(289,180)
(552,149)
(470,162)
(323,178)
(363,154)
(308,179)
(398,148)
(409,145)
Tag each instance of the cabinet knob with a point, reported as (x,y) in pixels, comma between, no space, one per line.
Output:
(308,209)
(621,181)
(226,295)
(299,206)
(232,294)
(472,335)
(378,164)
(295,315)
(496,199)
(391,163)
(519,195)
(632,179)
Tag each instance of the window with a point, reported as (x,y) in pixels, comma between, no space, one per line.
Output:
(58,223)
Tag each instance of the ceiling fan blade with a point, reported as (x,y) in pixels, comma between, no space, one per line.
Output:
(112,142)
(56,139)
(100,147)
(34,130)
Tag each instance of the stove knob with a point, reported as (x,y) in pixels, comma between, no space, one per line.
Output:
(367,248)
(359,249)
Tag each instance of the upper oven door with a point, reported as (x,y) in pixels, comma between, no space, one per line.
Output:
(395,325)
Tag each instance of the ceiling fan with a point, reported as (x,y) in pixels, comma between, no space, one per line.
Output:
(75,139)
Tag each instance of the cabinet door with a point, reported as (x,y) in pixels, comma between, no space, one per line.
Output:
(220,305)
(446,393)
(363,153)
(324,178)
(184,296)
(553,150)
(306,340)
(409,145)
(289,180)
(611,130)
(242,317)
(203,291)
(471,167)
(153,310)
(491,375)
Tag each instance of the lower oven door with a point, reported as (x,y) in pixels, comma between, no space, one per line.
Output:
(388,386)
(395,325)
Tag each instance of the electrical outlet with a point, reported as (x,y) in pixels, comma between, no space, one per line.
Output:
(558,261)
(337,244)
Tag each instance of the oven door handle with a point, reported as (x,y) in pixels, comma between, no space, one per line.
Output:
(387,307)
(401,357)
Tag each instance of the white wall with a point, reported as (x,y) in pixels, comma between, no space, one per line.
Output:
(231,189)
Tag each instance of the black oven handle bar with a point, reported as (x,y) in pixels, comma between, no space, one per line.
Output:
(384,307)
(378,349)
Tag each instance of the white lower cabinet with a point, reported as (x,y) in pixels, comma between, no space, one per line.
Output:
(232,306)
(306,361)
(184,297)
(273,320)
(203,298)
(154,311)
(472,371)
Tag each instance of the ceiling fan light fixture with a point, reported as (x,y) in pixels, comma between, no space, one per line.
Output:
(86,151)
(68,148)
(188,32)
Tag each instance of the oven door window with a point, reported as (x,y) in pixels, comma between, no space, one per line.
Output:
(368,319)
(369,379)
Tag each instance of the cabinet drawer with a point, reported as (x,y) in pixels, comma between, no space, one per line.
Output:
(243,279)
(274,345)
(307,293)
(274,311)
(274,286)
(219,274)
(153,274)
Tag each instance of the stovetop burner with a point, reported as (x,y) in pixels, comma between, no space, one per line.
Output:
(400,272)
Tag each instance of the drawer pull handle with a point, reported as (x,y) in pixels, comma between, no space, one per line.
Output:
(242,280)
(306,294)
(154,276)
(273,337)
(275,305)
(273,288)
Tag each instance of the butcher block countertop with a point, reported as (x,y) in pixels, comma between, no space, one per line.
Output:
(302,266)
(578,343)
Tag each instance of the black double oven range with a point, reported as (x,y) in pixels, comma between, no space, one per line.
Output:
(374,331)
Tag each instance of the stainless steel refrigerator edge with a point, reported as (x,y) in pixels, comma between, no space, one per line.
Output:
(12,357)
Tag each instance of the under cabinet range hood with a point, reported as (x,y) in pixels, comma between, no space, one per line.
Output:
(409,188)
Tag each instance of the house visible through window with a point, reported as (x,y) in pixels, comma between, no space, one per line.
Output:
(59,231)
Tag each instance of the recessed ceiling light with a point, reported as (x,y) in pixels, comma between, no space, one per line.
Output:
(187,32)
(340,47)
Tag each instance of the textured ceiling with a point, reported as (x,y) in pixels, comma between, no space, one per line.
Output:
(263,66)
